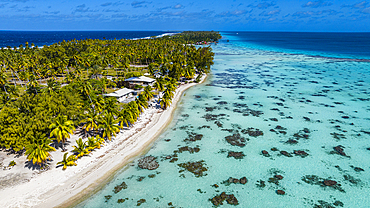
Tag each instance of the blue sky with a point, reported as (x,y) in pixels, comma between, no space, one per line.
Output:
(234,15)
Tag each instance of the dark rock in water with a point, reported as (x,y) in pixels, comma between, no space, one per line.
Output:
(200,191)
(197,168)
(219,124)
(236,140)
(148,162)
(118,188)
(236,155)
(252,132)
(211,117)
(302,134)
(261,184)
(265,153)
(204,127)
(324,204)
(218,199)
(231,180)
(306,118)
(275,179)
(193,137)
(285,153)
(215,185)
(351,179)
(273,119)
(140,201)
(243,180)
(292,141)
(140,178)
(280,127)
(366,132)
(300,153)
(167,140)
(280,192)
(230,130)
(315,180)
(121,200)
(368,148)
(274,149)
(189,149)
(339,150)
(338,136)
(173,160)
(231,199)
(338,203)
(358,169)
(280,177)
(329,183)
(222,103)
(107,198)
(208,109)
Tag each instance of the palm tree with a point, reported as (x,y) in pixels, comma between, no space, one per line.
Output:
(159,84)
(86,89)
(133,109)
(147,93)
(81,148)
(125,117)
(90,121)
(98,102)
(52,87)
(61,129)
(38,150)
(70,161)
(3,81)
(165,102)
(111,105)
(109,126)
(94,142)
(141,102)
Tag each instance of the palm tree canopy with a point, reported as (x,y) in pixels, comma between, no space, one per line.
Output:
(61,128)
(38,150)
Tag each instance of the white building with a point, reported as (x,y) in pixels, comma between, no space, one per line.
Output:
(121,94)
(143,80)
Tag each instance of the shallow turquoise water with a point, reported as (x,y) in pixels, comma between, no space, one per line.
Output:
(317,102)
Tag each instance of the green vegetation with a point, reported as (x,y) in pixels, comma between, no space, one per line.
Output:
(47,93)
(192,37)
(12,163)
(67,161)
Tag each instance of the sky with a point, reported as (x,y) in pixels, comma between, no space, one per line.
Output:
(173,15)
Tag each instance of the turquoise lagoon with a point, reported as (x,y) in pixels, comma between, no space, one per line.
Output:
(314,113)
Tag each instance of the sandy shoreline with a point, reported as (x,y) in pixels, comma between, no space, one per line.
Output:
(57,188)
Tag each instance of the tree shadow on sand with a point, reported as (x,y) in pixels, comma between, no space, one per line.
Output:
(44,167)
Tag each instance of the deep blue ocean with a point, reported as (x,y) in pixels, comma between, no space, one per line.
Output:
(40,38)
(349,45)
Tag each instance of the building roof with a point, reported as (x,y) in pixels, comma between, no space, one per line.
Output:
(120,92)
(140,79)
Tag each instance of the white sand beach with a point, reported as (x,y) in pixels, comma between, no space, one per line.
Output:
(23,187)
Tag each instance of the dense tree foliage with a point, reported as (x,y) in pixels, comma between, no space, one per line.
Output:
(194,37)
(52,90)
